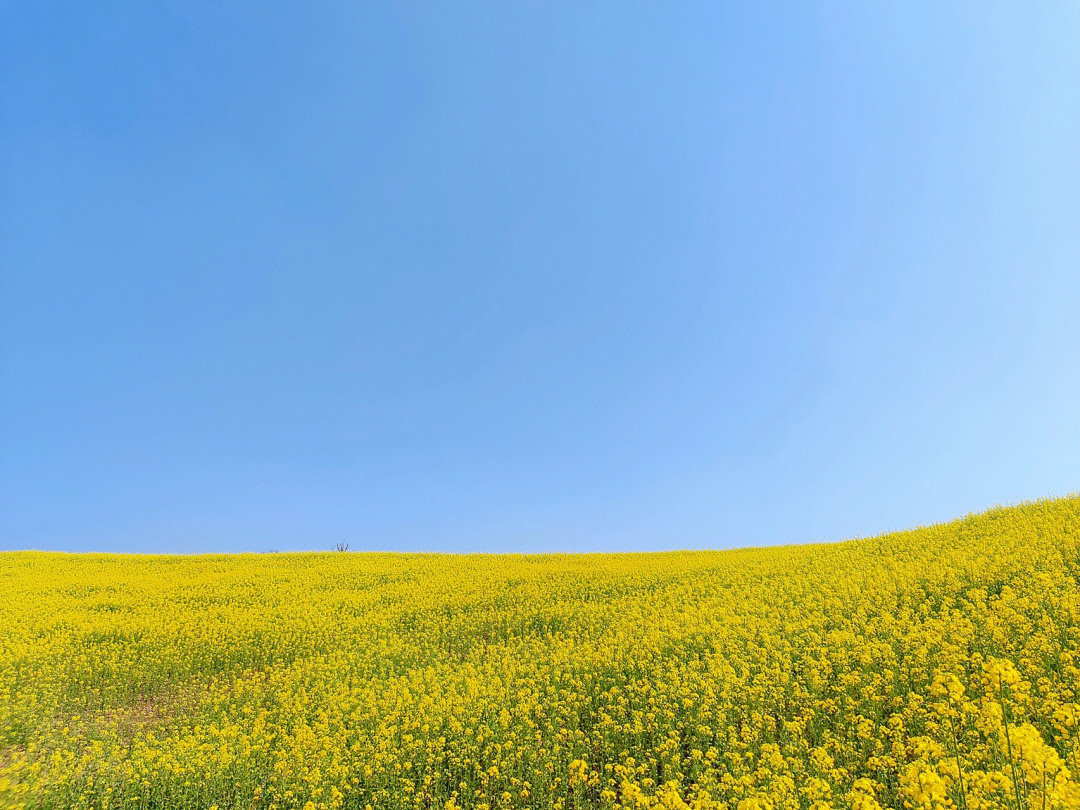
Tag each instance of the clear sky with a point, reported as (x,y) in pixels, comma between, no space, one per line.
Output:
(530,276)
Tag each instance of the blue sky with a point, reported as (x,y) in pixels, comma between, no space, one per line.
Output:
(531,276)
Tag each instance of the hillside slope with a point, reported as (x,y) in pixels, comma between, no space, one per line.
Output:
(933,668)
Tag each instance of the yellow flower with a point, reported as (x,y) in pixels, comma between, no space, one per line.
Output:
(942,660)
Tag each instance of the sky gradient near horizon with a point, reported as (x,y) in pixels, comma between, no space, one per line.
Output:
(532,277)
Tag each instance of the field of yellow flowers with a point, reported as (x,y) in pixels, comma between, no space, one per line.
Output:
(926,669)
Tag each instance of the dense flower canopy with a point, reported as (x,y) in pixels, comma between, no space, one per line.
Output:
(934,668)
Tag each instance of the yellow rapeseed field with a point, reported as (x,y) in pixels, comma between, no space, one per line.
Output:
(926,669)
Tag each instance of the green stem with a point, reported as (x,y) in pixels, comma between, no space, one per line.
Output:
(959,769)
(1008,744)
